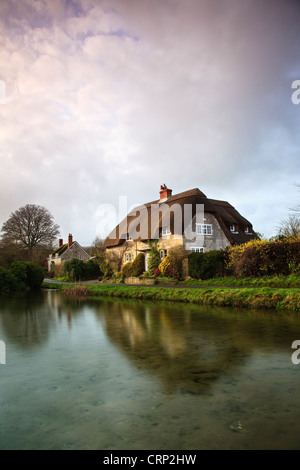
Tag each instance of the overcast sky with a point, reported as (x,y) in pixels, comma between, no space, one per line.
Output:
(114,98)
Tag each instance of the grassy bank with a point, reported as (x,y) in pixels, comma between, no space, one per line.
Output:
(291,281)
(261,297)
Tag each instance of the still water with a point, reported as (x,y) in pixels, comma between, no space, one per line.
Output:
(100,374)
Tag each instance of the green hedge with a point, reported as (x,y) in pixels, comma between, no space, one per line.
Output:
(207,265)
(21,276)
(77,270)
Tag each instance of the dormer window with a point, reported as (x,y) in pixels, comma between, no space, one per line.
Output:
(163,254)
(128,238)
(248,230)
(234,228)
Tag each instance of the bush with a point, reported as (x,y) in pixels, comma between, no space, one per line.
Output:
(106,269)
(263,258)
(92,270)
(35,276)
(77,270)
(21,276)
(8,282)
(164,266)
(127,269)
(74,269)
(207,265)
(154,257)
(138,265)
(157,272)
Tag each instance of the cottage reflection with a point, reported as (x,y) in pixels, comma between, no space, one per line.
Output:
(165,342)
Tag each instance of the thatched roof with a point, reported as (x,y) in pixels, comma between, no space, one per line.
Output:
(224,212)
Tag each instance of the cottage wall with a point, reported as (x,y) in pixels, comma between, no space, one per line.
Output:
(74,251)
(216,241)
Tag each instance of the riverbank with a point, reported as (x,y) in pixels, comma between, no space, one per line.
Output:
(244,297)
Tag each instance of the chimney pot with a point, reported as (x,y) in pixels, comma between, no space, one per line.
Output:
(60,242)
(165,192)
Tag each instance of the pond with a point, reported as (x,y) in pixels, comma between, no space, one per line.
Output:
(103,374)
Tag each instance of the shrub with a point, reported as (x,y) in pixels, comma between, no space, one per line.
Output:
(138,265)
(106,269)
(154,257)
(21,276)
(91,270)
(127,269)
(74,269)
(264,258)
(35,276)
(164,266)
(207,265)
(157,272)
(8,282)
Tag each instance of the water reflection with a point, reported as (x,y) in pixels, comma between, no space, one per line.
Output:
(103,374)
(188,348)
(25,319)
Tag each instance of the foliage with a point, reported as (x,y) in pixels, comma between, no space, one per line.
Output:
(77,270)
(30,226)
(265,258)
(164,266)
(157,272)
(289,228)
(138,265)
(176,256)
(127,269)
(8,282)
(206,265)
(154,257)
(21,276)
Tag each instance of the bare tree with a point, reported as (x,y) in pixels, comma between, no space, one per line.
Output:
(30,226)
(290,227)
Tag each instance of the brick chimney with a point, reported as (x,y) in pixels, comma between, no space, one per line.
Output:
(70,239)
(60,242)
(165,192)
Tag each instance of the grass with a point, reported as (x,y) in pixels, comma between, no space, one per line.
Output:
(291,281)
(277,292)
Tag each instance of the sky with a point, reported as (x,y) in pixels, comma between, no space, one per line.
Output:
(102,101)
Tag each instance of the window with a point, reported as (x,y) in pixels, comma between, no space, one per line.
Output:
(165,231)
(204,229)
(248,230)
(128,237)
(129,257)
(163,254)
(234,228)
(197,249)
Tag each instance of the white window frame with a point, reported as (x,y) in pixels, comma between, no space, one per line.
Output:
(233,228)
(129,257)
(197,249)
(165,231)
(128,238)
(204,229)
(162,254)
(248,230)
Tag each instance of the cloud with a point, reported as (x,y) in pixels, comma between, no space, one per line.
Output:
(113,98)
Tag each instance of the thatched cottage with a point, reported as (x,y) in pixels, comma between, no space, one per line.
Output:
(188,219)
